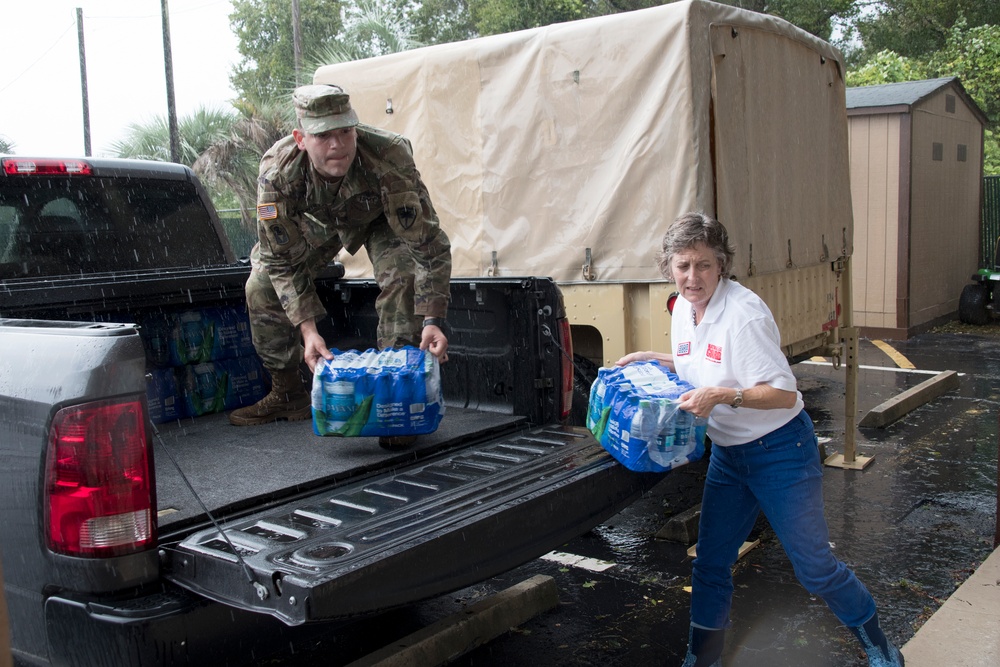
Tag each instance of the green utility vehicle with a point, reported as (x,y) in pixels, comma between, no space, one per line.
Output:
(980,301)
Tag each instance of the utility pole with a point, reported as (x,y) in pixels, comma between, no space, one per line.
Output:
(297,40)
(83,82)
(168,66)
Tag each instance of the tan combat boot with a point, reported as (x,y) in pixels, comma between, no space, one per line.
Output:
(288,400)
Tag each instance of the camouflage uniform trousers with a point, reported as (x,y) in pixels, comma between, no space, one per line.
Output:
(278,342)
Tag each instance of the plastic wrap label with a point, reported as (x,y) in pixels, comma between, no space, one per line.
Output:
(377,393)
(633,413)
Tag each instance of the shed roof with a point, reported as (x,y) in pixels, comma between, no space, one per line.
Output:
(904,94)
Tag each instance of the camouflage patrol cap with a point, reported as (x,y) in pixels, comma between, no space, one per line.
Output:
(320,108)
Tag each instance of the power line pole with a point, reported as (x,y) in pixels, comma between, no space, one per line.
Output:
(83,82)
(297,40)
(168,66)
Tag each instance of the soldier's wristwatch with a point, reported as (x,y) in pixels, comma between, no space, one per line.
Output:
(738,401)
(438,322)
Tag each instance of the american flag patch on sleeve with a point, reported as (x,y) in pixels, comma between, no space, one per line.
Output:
(267,211)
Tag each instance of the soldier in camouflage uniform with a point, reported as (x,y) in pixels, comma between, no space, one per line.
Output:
(334,184)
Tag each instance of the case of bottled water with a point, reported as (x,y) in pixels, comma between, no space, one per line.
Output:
(633,413)
(377,393)
(177,338)
(215,386)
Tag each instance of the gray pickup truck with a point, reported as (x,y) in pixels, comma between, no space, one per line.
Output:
(134,531)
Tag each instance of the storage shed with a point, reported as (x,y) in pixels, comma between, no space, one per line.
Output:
(916,151)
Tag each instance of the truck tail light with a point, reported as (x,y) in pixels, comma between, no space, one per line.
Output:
(566,341)
(17,166)
(100,495)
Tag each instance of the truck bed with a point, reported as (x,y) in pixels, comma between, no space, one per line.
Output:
(233,468)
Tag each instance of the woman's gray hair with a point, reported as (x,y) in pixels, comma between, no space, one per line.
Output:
(687,231)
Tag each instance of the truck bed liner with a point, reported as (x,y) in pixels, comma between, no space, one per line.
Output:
(234,467)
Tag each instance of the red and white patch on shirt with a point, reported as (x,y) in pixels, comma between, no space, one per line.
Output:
(714,353)
(683,349)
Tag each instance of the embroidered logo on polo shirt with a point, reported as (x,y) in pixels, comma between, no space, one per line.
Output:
(683,349)
(714,353)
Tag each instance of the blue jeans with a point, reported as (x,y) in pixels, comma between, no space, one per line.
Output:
(780,474)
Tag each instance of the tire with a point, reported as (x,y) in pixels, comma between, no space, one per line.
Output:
(584,374)
(972,305)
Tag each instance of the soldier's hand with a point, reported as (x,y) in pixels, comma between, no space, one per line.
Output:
(434,341)
(313,344)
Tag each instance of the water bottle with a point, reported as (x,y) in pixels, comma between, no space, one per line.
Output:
(662,440)
(192,338)
(339,401)
(432,378)
(684,429)
(596,405)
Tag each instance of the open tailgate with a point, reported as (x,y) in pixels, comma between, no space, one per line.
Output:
(420,530)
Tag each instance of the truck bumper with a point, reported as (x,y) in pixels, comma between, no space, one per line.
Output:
(168,626)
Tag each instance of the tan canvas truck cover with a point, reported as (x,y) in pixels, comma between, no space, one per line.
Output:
(566,150)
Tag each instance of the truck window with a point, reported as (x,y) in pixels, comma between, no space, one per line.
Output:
(71,225)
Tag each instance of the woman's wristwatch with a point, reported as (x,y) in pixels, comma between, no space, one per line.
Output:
(737,402)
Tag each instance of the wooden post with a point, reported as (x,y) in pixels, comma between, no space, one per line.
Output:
(83,82)
(849,337)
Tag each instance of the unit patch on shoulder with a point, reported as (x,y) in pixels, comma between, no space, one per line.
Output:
(267,211)
(279,234)
(407,215)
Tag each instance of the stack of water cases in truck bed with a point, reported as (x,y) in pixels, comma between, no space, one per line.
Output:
(200,361)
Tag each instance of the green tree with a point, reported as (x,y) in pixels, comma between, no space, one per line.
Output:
(6,145)
(264,33)
(198,132)
(151,140)
(918,28)
(973,55)
(815,16)
(442,22)
(492,17)
(231,162)
(886,67)
(371,28)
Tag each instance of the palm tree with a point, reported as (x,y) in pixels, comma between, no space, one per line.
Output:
(198,131)
(370,29)
(232,160)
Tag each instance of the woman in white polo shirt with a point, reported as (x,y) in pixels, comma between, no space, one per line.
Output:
(765,456)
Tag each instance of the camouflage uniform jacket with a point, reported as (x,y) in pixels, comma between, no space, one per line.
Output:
(300,214)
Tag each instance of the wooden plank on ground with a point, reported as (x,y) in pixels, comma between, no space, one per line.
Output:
(458,634)
(909,400)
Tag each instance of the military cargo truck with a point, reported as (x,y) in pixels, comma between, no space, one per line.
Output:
(566,150)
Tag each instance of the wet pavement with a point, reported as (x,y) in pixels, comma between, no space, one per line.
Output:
(913,525)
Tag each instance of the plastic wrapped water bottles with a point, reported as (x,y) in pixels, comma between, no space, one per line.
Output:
(633,413)
(377,393)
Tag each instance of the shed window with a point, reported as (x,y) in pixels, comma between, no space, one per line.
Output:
(937,152)
(963,152)
(949,103)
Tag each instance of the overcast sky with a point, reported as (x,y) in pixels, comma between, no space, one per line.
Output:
(41,108)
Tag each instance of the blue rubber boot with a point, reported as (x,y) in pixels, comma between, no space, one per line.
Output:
(704,648)
(880,652)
